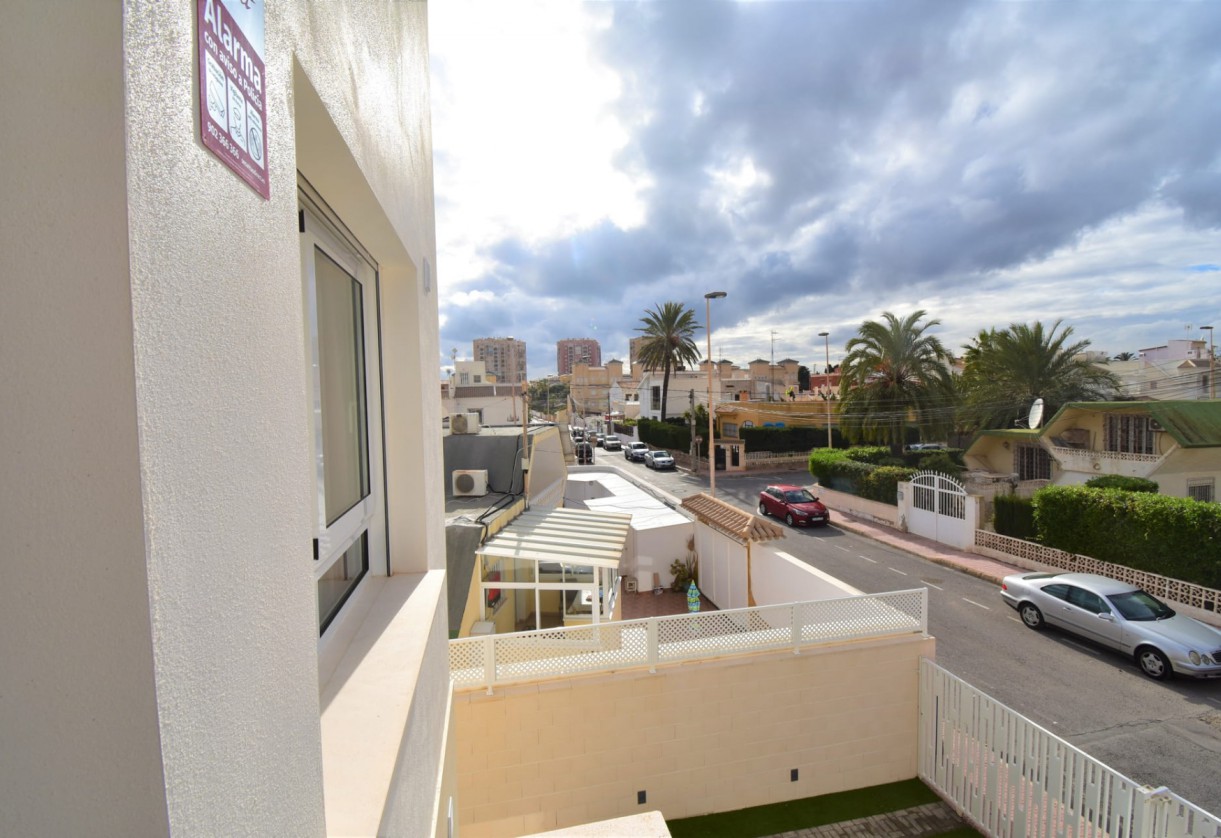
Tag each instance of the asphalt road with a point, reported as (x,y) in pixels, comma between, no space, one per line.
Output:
(1160,734)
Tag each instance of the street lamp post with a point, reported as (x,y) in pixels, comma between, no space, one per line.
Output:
(826,336)
(1212,386)
(708,298)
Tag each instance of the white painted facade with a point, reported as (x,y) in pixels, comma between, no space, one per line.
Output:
(163,671)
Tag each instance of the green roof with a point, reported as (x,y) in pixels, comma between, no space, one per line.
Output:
(1193,424)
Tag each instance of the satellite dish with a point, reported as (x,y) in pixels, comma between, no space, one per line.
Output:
(1035,417)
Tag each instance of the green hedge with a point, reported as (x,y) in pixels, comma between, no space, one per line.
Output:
(1014,517)
(788,440)
(667,435)
(1176,537)
(868,472)
(1118,481)
(882,483)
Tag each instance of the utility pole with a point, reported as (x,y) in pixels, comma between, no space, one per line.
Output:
(695,466)
(772,369)
(826,336)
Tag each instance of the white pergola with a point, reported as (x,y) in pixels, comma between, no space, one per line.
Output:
(559,566)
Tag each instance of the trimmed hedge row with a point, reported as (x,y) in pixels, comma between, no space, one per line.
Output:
(1014,517)
(665,435)
(788,440)
(868,472)
(1176,537)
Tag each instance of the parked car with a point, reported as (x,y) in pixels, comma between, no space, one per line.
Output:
(795,504)
(612,443)
(659,460)
(635,451)
(585,454)
(1119,616)
(578,434)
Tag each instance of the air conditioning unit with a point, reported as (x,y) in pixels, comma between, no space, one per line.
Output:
(464,423)
(470,483)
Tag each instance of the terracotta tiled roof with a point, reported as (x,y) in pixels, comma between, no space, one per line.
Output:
(738,525)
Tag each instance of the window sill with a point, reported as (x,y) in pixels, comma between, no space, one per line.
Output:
(366,700)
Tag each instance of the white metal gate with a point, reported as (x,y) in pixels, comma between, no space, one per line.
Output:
(938,509)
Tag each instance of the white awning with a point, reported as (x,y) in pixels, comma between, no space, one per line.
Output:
(571,536)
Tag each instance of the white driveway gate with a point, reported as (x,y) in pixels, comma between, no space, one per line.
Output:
(937,508)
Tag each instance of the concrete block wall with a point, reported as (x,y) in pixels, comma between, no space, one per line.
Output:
(702,737)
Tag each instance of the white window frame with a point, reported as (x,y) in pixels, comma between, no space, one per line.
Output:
(368,516)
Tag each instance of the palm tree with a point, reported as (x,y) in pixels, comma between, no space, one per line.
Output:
(1124,356)
(891,369)
(1006,370)
(669,343)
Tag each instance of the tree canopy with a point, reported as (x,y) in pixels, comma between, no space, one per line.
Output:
(669,342)
(894,369)
(1006,370)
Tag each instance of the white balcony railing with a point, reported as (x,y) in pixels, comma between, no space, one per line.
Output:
(1105,462)
(506,658)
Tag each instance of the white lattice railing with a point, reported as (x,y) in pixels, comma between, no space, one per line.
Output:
(506,658)
(1013,778)
(1075,456)
(1187,593)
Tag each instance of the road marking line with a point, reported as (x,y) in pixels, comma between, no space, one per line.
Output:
(845,549)
(866,558)
(977,604)
(901,573)
(1016,620)
(1216,701)
(931,585)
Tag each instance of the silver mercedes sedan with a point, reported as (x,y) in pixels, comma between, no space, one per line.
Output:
(1116,615)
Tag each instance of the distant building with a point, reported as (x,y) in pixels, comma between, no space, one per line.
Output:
(572,351)
(504,358)
(634,365)
(1176,350)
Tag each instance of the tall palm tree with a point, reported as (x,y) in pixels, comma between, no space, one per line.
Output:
(893,368)
(1124,356)
(1006,370)
(669,343)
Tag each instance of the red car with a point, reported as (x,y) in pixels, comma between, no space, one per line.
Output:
(794,504)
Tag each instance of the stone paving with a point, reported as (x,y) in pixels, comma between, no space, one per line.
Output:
(927,820)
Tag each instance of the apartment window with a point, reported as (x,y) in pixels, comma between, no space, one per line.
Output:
(1032,462)
(656,404)
(340,290)
(1201,489)
(1127,434)
(729,429)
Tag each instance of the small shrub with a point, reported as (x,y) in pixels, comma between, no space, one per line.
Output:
(941,461)
(1118,481)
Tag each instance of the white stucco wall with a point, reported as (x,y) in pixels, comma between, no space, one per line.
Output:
(160,629)
(78,717)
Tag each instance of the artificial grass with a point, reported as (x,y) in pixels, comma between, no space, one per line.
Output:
(811,811)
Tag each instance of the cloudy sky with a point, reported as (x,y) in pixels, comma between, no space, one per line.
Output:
(824,162)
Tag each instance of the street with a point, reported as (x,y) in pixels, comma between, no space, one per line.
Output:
(1156,733)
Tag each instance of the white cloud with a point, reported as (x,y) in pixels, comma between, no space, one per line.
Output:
(523,135)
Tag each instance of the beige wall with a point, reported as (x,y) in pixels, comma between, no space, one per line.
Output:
(705,737)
